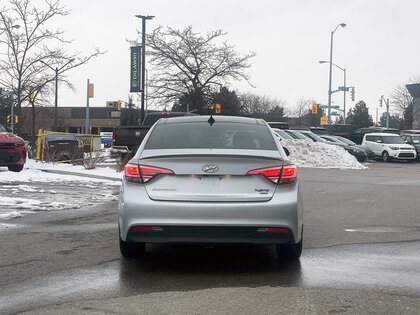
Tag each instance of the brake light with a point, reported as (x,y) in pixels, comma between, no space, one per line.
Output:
(279,175)
(113,135)
(148,172)
(289,174)
(132,173)
(272,173)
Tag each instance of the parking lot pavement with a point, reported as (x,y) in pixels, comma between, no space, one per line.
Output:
(361,256)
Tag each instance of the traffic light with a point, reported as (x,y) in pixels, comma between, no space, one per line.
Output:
(9,119)
(119,105)
(352,94)
(380,102)
(218,109)
(31,94)
(314,109)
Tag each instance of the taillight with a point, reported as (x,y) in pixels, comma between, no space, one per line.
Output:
(272,173)
(132,173)
(113,136)
(289,174)
(279,175)
(142,173)
(80,144)
(148,172)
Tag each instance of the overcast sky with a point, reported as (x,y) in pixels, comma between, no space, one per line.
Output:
(379,47)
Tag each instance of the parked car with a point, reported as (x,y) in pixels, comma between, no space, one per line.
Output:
(359,152)
(410,132)
(278,124)
(210,180)
(12,150)
(389,146)
(369,153)
(296,134)
(358,134)
(310,135)
(414,140)
(62,147)
(342,130)
(282,134)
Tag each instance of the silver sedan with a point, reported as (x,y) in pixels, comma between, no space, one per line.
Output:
(210,180)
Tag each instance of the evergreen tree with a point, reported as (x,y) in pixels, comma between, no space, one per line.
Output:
(359,116)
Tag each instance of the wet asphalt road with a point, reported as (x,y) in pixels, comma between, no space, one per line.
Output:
(362,255)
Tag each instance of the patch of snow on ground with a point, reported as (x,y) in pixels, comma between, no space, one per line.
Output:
(320,155)
(33,172)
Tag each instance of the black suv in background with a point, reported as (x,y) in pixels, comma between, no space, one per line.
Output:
(358,134)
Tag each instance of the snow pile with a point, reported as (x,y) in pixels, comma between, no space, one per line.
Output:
(305,153)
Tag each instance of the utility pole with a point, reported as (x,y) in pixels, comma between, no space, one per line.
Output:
(344,104)
(143,60)
(87,108)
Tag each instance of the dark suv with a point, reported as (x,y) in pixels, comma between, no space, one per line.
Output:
(12,150)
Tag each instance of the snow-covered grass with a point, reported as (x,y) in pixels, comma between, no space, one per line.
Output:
(33,172)
(306,153)
(20,193)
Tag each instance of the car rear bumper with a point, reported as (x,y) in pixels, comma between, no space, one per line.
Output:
(189,221)
(211,234)
(12,156)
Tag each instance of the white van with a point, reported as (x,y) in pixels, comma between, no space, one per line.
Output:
(389,146)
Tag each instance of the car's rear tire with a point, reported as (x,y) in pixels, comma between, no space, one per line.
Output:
(132,250)
(385,156)
(290,252)
(15,168)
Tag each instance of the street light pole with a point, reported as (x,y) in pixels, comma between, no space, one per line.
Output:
(143,60)
(331,64)
(56,71)
(344,86)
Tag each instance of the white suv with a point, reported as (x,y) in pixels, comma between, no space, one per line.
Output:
(389,146)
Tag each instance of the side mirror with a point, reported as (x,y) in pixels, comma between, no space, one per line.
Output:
(286,151)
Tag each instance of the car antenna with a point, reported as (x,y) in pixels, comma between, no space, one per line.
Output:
(211,120)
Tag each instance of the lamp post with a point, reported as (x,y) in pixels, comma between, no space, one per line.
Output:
(12,118)
(143,60)
(331,64)
(344,85)
(56,70)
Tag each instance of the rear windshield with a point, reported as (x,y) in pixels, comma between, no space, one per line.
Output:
(59,137)
(200,135)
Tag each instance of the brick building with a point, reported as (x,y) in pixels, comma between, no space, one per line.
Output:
(70,119)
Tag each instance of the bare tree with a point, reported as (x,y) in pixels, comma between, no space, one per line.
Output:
(401,98)
(261,106)
(32,49)
(188,63)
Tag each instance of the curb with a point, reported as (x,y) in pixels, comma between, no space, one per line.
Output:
(82,175)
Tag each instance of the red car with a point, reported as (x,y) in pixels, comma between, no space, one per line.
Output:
(12,150)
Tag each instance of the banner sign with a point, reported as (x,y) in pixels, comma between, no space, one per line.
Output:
(135,65)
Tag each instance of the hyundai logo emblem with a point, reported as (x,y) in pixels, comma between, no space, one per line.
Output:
(137,133)
(210,168)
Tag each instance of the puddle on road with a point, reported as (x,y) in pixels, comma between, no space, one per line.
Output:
(390,268)
(385,229)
